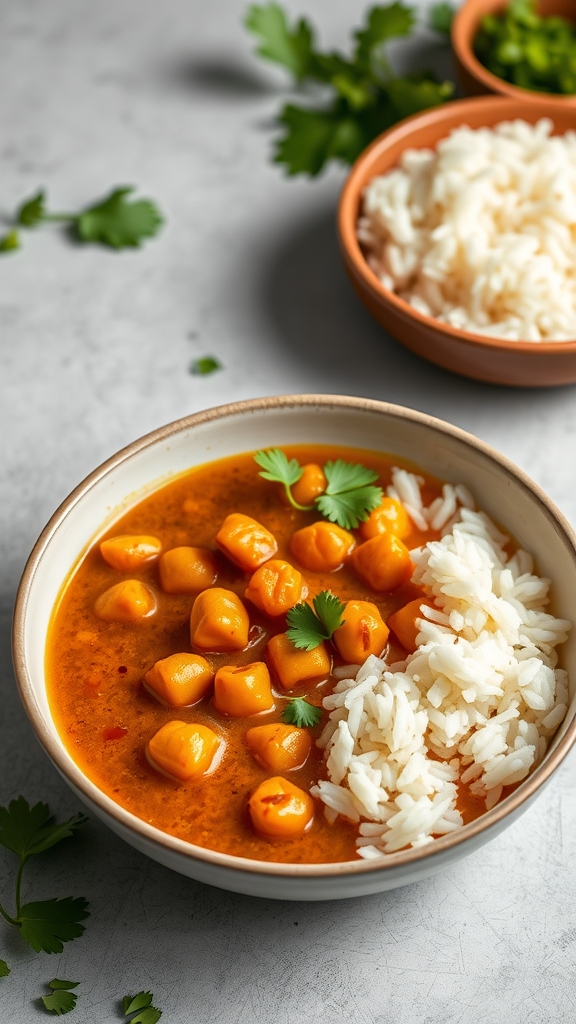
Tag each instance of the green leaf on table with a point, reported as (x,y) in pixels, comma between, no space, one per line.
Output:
(441,16)
(311,624)
(292,48)
(301,713)
(32,210)
(57,983)
(141,1004)
(10,241)
(30,830)
(204,366)
(4,969)
(47,924)
(149,1016)
(60,1001)
(313,137)
(409,96)
(384,23)
(119,222)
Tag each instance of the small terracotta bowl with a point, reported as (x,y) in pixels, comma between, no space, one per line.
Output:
(524,364)
(500,488)
(475,78)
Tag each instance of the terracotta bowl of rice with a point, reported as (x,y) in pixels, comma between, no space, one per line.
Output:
(476,79)
(458,232)
(486,700)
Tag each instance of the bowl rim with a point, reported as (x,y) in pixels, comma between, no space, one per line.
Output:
(126,819)
(462,34)
(349,205)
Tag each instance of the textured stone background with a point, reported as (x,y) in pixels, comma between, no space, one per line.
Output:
(96,349)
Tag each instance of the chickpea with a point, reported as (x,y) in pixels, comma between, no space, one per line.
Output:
(278,747)
(295,667)
(310,486)
(187,570)
(279,809)
(245,542)
(322,547)
(363,632)
(127,552)
(276,587)
(242,690)
(183,751)
(128,601)
(383,562)
(389,517)
(179,680)
(403,622)
(219,621)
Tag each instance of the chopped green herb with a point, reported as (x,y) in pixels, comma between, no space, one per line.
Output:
(301,713)
(28,831)
(10,242)
(530,51)
(279,469)
(115,221)
(441,17)
(60,1001)
(4,969)
(205,365)
(350,495)
(310,625)
(141,1004)
(365,95)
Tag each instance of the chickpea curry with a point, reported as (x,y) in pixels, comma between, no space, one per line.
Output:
(191,649)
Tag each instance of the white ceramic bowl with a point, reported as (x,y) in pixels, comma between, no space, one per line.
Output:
(500,488)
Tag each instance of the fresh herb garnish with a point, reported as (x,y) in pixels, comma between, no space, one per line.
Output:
(60,1000)
(4,969)
(205,365)
(350,495)
(28,831)
(142,1002)
(301,713)
(366,96)
(529,50)
(115,221)
(10,242)
(279,469)
(441,17)
(310,625)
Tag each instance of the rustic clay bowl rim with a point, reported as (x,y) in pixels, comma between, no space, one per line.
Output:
(462,35)
(351,200)
(72,772)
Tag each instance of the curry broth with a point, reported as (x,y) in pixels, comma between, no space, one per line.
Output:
(94,669)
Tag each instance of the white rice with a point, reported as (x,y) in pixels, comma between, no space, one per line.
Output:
(481,232)
(482,691)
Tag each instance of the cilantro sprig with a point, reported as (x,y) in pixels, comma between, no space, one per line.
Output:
(28,831)
(350,494)
(311,624)
(4,969)
(301,713)
(115,221)
(141,1005)
(365,95)
(60,1000)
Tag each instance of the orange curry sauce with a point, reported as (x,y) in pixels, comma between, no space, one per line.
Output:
(95,669)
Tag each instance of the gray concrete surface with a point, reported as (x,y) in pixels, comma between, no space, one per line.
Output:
(96,348)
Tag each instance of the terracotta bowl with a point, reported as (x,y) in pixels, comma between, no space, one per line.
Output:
(524,364)
(503,490)
(475,78)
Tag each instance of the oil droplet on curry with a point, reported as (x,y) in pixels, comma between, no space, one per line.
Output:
(169,667)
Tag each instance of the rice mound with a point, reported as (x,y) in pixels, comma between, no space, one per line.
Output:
(482,692)
(481,232)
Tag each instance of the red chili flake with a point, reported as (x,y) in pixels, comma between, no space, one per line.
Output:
(276,798)
(113,733)
(122,670)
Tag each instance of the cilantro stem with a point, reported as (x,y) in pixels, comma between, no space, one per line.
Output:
(19,885)
(301,508)
(60,216)
(11,920)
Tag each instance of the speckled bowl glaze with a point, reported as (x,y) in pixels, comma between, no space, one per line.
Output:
(501,489)
(519,363)
(475,78)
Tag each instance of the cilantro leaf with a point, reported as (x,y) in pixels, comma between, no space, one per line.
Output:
(32,211)
(409,96)
(310,625)
(132,1003)
(57,983)
(30,830)
(301,713)
(119,223)
(4,969)
(441,17)
(383,23)
(292,49)
(149,1016)
(10,242)
(59,1001)
(205,365)
(48,923)
(349,496)
(276,466)
(313,137)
